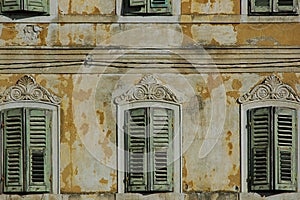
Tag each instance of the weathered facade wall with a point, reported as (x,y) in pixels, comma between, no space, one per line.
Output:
(86,55)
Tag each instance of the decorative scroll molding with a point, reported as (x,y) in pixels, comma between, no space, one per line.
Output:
(147,89)
(27,89)
(270,89)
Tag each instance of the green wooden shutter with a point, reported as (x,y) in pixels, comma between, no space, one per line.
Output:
(137,2)
(136,140)
(38,150)
(285,149)
(13,154)
(261,5)
(159,3)
(285,5)
(159,7)
(259,153)
(10,5)
(36,5)
(161,142)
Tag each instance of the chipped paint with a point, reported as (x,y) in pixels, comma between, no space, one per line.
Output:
(214,34)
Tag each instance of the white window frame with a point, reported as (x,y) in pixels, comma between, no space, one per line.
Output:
(176,142)
(174,17)
(55,140)
(245,9)
(52,15)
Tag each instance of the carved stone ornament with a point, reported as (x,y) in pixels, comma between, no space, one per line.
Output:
(26,89)
(147,89)
(270,89)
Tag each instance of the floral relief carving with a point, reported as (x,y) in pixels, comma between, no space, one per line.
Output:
(270,89)
(147,89)
(27,89)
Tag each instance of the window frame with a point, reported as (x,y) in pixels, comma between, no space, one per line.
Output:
(173,17)
(176,108)
(246,10)
(54,138)
(26,8)
(244,136)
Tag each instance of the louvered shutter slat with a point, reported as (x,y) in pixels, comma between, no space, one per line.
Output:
(135,131)
(13,167)
(137,2)
(261,5)
(285,5)
(285,141)
(36,5)
(38,133)
(10,5)
(161,142)
(159,3)
(259,157)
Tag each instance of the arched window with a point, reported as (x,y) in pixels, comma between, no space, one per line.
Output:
(149,139)
(29,139)
(270,138)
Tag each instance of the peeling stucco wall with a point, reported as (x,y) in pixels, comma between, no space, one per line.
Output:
(210,112)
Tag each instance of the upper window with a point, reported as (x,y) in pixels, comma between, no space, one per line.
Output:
(273,7)
(29,139)
(25,6)
(270,138)
(146,7)
(149,139)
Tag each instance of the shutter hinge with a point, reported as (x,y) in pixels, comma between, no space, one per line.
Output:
(2,178)
(2,125)
(248,179)
(126,179)
(50,178)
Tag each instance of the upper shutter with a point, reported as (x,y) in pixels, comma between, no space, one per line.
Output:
(161,142)
(137,2)
(285,145)
(13,154)
(159,3)
(261,5)
(159,7)
(136,139)
(38,150)
(36,5)
(259,121)
(10,5)
(285,5)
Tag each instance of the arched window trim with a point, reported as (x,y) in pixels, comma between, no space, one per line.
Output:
(270,93)
(26,93)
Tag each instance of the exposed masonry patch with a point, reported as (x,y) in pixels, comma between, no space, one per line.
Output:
(31,32)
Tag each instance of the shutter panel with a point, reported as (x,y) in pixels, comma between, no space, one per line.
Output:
(159,3)
(137,2)
(285,145)
(136,136)
(261,5)
(36,5)
(259,152)
(159,7)
(161,160)
(285,5)
(10,5)
(13,154)
(38,144)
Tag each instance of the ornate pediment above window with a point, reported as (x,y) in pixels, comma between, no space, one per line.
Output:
(26,89)
(270,89)
(147,89)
